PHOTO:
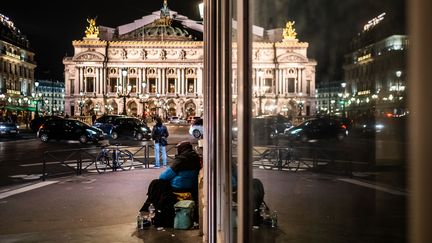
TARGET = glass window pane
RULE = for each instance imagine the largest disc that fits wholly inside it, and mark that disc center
(329, 105)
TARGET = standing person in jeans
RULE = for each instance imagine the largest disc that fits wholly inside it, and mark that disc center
(159, 136)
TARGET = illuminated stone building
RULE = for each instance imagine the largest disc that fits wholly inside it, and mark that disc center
(375, 70)
(154, 66)
(16, 70)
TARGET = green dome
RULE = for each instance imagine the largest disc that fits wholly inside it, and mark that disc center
(158, 32)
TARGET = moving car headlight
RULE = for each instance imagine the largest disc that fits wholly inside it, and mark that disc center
(17, 127)
(379, 126)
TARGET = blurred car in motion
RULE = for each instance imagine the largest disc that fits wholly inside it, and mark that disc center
(266, 129)
(9, 128)
(69, 129)
(36, 123)
(196, 129)
(316, 129)
(130, 127)
(105, 123)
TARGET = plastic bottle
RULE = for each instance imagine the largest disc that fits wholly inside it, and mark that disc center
(151, 210)
(262, 210)
(274, 219)
(140, 221)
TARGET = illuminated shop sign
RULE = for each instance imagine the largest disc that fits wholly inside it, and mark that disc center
(364, 92)
(363, 58)
(9, 91)
(371, 23)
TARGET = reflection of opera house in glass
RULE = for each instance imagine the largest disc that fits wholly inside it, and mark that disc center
(155, 64)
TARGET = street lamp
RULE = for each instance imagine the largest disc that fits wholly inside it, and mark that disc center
(143, 99)
(37, 97)
(301, 104)
(81, 102)
(123, 92)
(259, 91)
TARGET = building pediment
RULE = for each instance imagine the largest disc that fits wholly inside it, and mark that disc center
(89, 56)
(292, 57)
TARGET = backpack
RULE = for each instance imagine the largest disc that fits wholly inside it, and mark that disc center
(160, 194)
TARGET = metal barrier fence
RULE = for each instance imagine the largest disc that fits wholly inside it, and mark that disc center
(77, 161)
(266, 157)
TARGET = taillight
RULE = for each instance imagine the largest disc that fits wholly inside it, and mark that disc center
(343, 126)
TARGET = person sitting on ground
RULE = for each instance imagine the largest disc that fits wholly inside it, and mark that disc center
(183, 172)
(180, 177)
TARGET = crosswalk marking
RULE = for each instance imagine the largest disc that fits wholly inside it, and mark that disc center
(26, 188)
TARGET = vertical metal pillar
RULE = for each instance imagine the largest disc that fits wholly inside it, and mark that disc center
(420, 130)
(244, 65)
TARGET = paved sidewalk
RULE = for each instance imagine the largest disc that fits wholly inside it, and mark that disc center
(89, 208)
(103, 208)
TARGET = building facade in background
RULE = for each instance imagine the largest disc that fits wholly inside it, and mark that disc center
(375, 71)
(16, 71)
(51, 95)
(154, 67)
(331, 98)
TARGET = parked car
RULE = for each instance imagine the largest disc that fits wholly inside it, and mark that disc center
(36, 123)
(196, 129)
(191, 119)
(317, 128)
(105, 123)
(130, 127)
(9, 128)
(69, 129)
(174, 120)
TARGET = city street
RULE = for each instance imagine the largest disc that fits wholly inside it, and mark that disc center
(21, 157)
(313, 206)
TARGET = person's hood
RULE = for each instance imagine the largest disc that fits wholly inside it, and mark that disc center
(187, 160)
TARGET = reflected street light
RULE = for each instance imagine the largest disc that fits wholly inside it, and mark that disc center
(343, 85)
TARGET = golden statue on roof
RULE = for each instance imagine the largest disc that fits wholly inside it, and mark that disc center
(92, 31)
(289, 32)
(165, 18)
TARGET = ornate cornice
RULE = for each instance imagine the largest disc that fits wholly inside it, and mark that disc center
(292, 44)
(174, 44)
(88, 42)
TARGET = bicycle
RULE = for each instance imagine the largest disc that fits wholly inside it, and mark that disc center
(113, 159)
(281, 158)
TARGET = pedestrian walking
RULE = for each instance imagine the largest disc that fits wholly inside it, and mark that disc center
(159, 136)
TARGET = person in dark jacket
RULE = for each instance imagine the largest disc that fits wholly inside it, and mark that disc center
(180, 176)
(159, 136)
(183, 173)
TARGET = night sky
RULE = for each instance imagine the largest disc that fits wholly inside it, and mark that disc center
(326, 24)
